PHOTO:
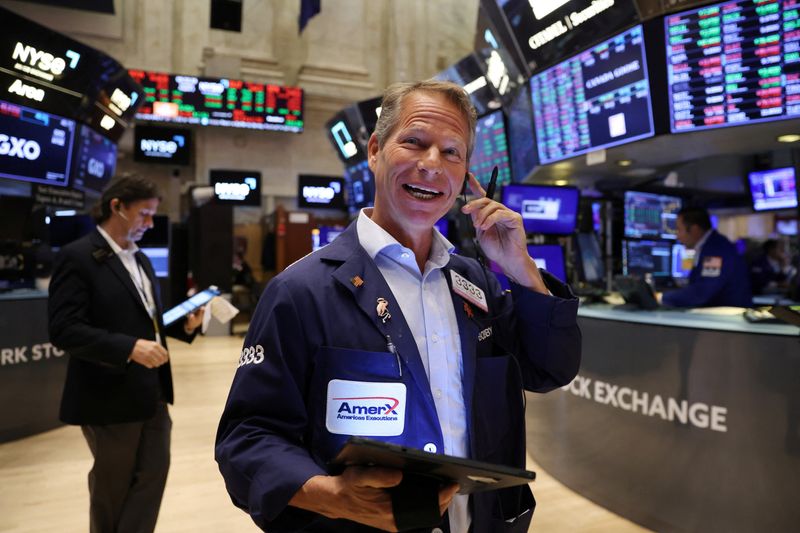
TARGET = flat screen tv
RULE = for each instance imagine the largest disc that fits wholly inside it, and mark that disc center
(35, 146)
(320, 192)
(597, 99)
(773, 189)
(95, 160)
(153, 144)
(159, 258)
(184, 99)
(491, 149)
(521, 136)
(733, 63)
(236, 187)
(590, 264)
(546, 31)
(550, 257)
(545, 209)
(651, 216)
(647, 257)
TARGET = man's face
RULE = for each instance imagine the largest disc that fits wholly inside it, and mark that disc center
(420, 169)
(138, 217)
(686, 234)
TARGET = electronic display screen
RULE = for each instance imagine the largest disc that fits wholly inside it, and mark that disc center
(369, 110)
(468, 73)
(239, 187)
(773, 189)
(360, 185)
(159, 258)
(544, 209)
(34, 145)
(521, 137)
(320, 192)
(65, 229)
(442, 225)
(786, 226)
(597, 99)
(733, 63)
(186, 99)
(647, 257)
(162, 145)
(682, 261)
(343, 132)
(549, 257)
(651, 215)
(95, 160)
(158, 235)
(546, 31)
(491, 149)
(591, 258)
(324, 235)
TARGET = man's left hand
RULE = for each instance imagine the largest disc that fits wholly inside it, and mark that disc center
(502, 237)
(194, 320)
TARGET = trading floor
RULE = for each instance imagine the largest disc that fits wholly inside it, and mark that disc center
(43, 478)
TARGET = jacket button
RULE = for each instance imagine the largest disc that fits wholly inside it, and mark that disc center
(430, 447)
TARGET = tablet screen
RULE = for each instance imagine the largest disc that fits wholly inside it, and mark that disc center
(186, 307)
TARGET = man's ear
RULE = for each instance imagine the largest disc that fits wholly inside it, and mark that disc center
(372, 152)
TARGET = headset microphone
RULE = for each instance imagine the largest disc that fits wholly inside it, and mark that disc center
(120, 213)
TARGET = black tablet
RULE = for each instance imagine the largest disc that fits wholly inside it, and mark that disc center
(472, 476)
(186, 307)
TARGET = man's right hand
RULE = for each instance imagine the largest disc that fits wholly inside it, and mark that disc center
(149, 354)
(358, 494)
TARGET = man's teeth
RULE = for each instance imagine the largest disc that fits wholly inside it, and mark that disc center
(422, 194)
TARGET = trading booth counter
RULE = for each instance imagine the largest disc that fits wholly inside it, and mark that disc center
(32, 370)
(678, 420)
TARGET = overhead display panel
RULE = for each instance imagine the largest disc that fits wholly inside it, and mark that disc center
(733, 63)
(34, 146)
(46, 70)
(547, 31)
(219, 102)
(468, 72)
(95, 160)
(597, 99)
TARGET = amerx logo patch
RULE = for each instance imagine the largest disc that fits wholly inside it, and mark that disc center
(365, 408)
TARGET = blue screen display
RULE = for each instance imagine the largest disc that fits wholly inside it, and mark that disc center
(324, 235)
(647, 257)
(521, 137)
(550, 257)
(544, 209)
(597, 99)
(95, 160)
(773, 189)
(360, 185)
(442, 225)
(651, 215)
(681, 261)
(159, 257)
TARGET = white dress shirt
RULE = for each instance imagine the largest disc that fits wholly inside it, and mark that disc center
(139, 278)
(425, 301)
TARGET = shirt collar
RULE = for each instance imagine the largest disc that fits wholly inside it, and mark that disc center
(116, 248)
(702, 241)
(375, 240)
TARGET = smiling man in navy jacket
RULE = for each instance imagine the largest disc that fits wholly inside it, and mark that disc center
(387, 312)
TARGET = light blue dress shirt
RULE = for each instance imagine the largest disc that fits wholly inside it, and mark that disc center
(425, 302)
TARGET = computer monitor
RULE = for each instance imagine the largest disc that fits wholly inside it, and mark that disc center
(442, 225)
(682, 261)
(159, 257)
(773, 189)
(651, 216)
(550, 257)
(647, 257)
(545, 209)
(324, 235)
(590, 264)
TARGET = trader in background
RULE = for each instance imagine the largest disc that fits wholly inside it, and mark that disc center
(772, 271)
(386, 310)
(719, 276)
(105, 312)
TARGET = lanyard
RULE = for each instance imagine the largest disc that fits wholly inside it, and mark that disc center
(143, 294)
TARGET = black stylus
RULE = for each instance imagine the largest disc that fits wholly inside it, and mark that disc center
(492, 184)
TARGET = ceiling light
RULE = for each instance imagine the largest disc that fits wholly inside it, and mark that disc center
(789, 138)
(625, 162)
(560, 183)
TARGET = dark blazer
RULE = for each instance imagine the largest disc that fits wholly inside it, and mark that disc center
(96, 315)
(315, 324)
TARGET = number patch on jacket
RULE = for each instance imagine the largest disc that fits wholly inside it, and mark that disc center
(251, 355)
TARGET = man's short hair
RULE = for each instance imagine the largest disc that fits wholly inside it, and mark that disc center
(695, 216)
(127, 189)
(392, 103)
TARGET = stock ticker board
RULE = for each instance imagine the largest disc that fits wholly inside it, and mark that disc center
(734, 63)
(219, 102)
